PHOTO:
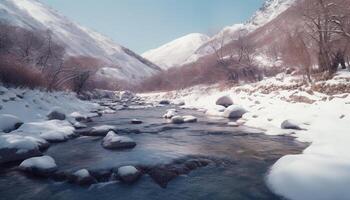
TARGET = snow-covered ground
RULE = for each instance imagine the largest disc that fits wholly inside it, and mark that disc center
(323, 170)
(27, 110)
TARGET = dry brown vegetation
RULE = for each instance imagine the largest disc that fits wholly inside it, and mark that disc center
(311, 39)
(33, 59)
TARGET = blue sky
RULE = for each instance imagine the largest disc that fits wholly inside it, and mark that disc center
(145, 24)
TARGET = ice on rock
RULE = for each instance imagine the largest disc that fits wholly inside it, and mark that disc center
(9, 123)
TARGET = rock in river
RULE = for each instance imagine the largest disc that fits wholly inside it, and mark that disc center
(136, 121)
(15, 147)
(128, 174)
(83, 177)
(114, 141)
(177, 120)
(41, 166)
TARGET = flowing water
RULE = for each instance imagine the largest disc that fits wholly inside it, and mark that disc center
(242, 159)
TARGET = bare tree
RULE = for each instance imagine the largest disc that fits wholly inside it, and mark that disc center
(324, 24)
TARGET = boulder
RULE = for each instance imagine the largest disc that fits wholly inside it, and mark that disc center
(290, 124)
(225, 101)
(190, 119)
(56, 113)
(234, 112)
(9, 123)
(164, 102)
(83, 177)
(128, 174)
(177, 120)
(15, 147)
(41, 166)
(114, 141)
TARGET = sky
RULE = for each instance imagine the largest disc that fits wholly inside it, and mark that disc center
(142, 25)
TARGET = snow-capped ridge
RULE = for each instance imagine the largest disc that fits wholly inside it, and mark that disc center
(177, 51)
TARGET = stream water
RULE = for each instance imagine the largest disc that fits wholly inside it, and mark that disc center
(242, 159)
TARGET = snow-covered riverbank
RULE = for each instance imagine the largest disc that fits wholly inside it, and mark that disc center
(323, 170)
(28, 110)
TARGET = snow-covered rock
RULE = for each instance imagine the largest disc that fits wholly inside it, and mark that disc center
(170, 113)
(128, 174)
(79, 125)
(56, 113)
(15, 147)
(114, 141)
(189, 119)
(291, 124)
(234, 112)
(53, 130)
(177, 120)
(83, 177)
(176, 53)
(225, 101)
(9, 123)
(43, 166)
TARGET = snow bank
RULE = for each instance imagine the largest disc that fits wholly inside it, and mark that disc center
(323, 170)
(9, 123)
(34, 105)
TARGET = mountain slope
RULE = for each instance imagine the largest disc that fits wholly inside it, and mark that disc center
(270, 10)
(78, 40)
(176, 52)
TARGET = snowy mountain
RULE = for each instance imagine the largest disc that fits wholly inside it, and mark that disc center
(176, 52)
(268, 12)
(78, 40)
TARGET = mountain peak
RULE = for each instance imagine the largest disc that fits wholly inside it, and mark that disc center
(177, 51)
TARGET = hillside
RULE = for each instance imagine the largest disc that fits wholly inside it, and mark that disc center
(78, 40)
